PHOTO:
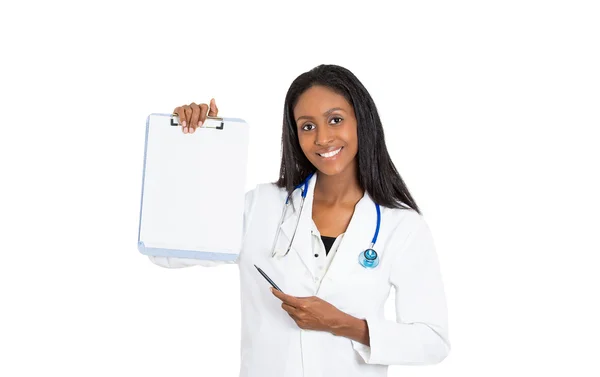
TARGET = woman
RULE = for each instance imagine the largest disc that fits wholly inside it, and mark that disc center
(330, 320)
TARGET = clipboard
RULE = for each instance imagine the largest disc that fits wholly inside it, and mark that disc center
(193, 189)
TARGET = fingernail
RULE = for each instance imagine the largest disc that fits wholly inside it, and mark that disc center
(200, 124)
(183, 124)
(192, 130)
(185, 130)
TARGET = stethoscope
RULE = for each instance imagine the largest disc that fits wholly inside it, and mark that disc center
(367, 258)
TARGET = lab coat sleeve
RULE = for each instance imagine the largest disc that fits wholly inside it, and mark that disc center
(172, 262)
(420, 333)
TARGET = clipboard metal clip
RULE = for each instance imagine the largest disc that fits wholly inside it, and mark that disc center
(210, 122)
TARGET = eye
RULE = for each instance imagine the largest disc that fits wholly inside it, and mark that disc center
(307, 124)
(339, 120)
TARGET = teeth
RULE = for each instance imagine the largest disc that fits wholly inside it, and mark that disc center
(330, 154)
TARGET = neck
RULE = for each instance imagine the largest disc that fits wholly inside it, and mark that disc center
(338, 189)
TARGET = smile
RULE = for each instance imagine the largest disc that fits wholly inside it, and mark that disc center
(330, 154)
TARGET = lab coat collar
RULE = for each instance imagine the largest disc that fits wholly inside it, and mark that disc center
(358, 235)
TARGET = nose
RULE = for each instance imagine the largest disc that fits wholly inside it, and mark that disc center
(324, 135)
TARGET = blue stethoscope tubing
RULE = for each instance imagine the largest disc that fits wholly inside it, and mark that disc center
(367, 258)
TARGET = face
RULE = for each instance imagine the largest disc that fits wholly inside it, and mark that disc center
(327, 130)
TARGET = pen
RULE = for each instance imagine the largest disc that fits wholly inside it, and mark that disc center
(268, 278)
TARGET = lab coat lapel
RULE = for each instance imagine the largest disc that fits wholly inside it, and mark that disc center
(302, 244)
(357, 238)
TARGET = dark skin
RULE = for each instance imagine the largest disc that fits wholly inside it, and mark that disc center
(326, 123)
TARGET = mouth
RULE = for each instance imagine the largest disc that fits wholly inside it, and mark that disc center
(330, 155)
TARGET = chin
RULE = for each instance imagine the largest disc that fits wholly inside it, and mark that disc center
(331, 169)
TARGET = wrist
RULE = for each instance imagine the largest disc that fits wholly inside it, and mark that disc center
(346, 325)
(340, 324)
(352, 328)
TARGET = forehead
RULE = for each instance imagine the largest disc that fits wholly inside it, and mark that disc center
(318, 99)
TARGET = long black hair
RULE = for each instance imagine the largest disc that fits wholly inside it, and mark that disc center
(376, 172)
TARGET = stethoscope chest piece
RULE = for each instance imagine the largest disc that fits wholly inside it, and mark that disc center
(368, 258)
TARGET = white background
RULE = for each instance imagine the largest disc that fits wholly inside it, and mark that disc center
(490, 110)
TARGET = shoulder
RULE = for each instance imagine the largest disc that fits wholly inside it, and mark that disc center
(265, 189)
(398, 215)
(403, 223)
(265, 193)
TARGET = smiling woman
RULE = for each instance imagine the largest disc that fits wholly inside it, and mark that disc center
(328, 108)
(327, 138)
(336, 231)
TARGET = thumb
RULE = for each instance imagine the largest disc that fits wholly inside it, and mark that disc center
(213, 110)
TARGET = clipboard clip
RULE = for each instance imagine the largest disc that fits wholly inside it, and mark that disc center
(210, 122)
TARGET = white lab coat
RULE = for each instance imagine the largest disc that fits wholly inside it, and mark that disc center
(272, 345)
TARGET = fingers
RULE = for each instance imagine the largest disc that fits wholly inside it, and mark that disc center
(296, 315)
(290, 300)
(185, 123)
(194, 115)
(280, 295)
(203, 110)
(288, 308)
(193, 124)
(213, 110)
(180, 114)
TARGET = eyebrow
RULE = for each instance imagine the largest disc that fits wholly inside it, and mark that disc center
(324, 114)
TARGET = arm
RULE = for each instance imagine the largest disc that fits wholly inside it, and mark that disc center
(420, 333)
(352, 328)
(171, 262)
